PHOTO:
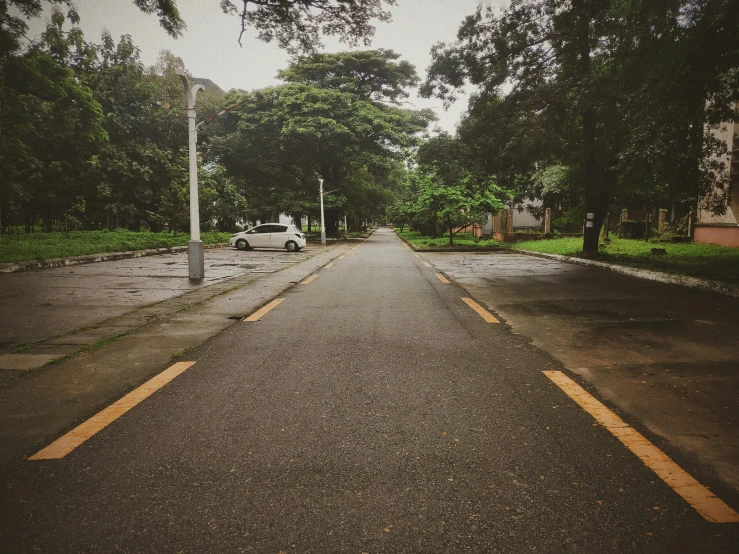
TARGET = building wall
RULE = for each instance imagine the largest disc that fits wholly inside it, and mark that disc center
(726, 133)
(723, 229)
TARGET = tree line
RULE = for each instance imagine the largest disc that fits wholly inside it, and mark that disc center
(594, 105)
(588, 105)
(92, 138)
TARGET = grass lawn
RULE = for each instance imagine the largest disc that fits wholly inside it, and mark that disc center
(421, 242)
(39, 246)
(697, 260)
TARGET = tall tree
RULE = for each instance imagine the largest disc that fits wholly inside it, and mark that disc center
(286, 137)
(618, 89)
(369, 74)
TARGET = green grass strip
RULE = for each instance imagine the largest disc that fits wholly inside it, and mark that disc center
(42, 246)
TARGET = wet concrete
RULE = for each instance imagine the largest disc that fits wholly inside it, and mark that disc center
(61, 310)
(38, 406)
(666, 355)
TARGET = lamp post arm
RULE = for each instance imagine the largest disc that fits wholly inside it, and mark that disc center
(191, 92)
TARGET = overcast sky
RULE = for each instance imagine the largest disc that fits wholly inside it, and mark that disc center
(210, 49)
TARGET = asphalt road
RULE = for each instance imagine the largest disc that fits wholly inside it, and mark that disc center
(371, 411)
(665, 354)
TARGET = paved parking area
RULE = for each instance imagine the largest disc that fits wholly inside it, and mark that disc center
(48, 303)
(666, 354)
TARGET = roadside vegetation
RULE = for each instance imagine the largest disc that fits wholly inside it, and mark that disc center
(696, 260)
(464, 240)
(39, 246)
(584, 110)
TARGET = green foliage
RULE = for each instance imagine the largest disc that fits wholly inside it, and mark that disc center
(297, 24)
(368, 74)
(466, 240)
(442, 193)
(285, 138)
(40, 246)
(622, 94)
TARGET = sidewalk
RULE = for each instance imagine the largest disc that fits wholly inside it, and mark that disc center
(102, 361)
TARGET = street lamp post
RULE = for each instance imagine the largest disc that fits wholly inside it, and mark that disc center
(195, 254)
(323, 225)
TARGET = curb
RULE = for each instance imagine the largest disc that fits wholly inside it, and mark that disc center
(94, 258)
(669, 278)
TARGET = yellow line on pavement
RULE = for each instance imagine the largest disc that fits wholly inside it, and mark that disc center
(699, 497)
(442, 278)
(65, 444)
(341, 257)
(309, 279)
(261, 312)
(427, 264)
(483, 313)
(329, 265)
(416, 255)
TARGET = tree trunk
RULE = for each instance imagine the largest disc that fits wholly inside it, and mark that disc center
(332, 221)
(298, 221)
(451, 234)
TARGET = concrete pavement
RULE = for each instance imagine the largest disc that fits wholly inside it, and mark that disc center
(57, 312)
(43, 403)
(371, 411)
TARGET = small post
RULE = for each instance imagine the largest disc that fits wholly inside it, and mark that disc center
(647, 225)
(547, 221)
(323, 224)
(346, 229)
(624, 217)
(662, 220)
(606, 224)
(690, 224)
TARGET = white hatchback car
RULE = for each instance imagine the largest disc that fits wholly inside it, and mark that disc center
(269, 235)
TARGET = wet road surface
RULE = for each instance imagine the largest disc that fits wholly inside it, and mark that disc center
(39, 305)
(667, 355)
(371, 411)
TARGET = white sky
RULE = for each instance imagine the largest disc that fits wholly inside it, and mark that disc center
(210, 49)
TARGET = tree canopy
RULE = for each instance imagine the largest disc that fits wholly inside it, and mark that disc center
(287, 137)
(614, 91)
(368, 74)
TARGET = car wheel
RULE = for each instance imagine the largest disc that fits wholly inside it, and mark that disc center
(292, 246)
(241, 244)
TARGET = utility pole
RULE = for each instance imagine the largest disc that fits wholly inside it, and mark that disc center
(195, 254)
(323, 223)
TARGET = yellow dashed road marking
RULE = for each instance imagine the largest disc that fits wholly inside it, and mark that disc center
(264, 309)
(65, 444)
(309, 279)
(699, 497)
(427, 264)
(416, 255)
(486, 315)
(329, 265)
(341, 257)
(442, 278)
